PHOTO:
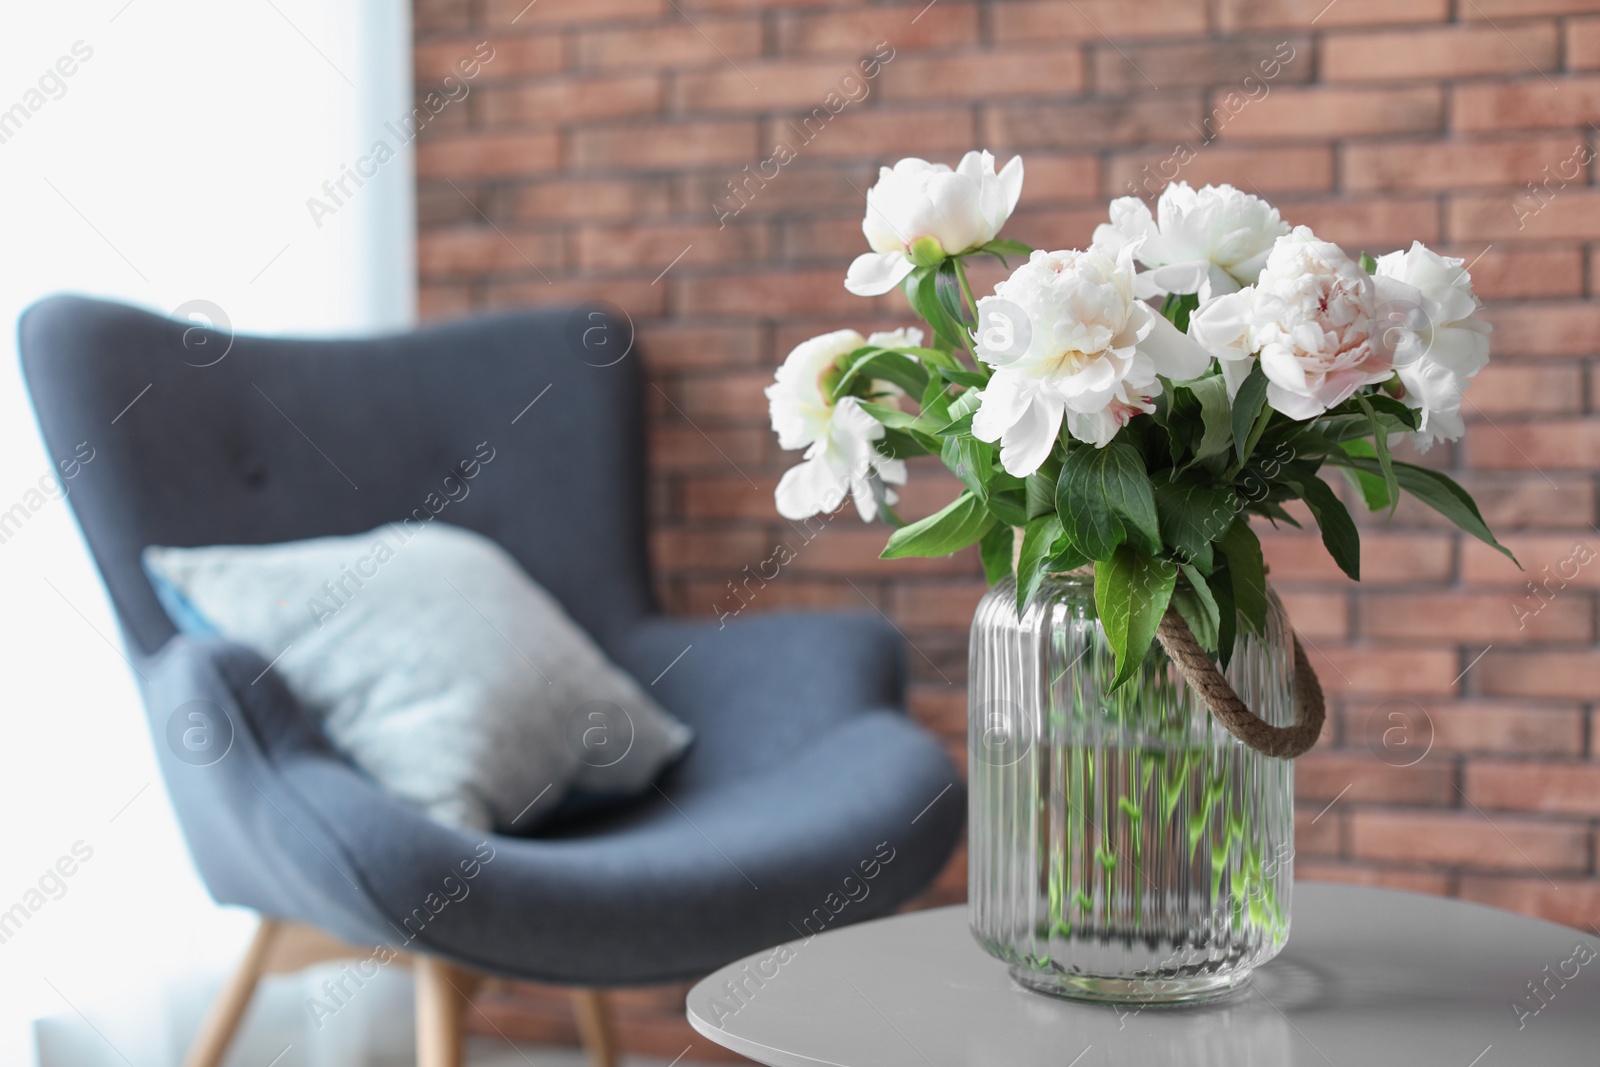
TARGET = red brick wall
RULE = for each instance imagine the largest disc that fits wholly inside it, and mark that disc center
(595, 149)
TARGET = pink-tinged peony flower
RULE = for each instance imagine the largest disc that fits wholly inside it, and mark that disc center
(1068, 338)
(1310, 319)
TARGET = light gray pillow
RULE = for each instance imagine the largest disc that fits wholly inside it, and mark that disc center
(434, 663)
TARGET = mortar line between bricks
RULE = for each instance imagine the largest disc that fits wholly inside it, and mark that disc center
(702, 433)
(1513, 44)
(1331, 803)
(1473, 664)
(713, 44)
(1508, 840)
(502, 233)
(1113, 44)
(1494, 426)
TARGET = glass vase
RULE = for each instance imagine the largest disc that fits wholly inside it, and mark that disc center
(1123, 845)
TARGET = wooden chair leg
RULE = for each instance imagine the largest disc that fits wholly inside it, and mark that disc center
(217, 1031)
(443, 991)
(594, 1026)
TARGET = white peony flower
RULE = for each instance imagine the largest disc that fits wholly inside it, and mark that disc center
(905, 337)
(840, 439)
(928, 210)
(1311, 319)
(1068, 337)
(1429, 317)
(1209, 241)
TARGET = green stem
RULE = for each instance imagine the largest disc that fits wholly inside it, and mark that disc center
(966, 290)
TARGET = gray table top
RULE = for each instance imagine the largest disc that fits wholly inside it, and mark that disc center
(1370, 977)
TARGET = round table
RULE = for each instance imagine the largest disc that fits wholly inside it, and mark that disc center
(1370, 977)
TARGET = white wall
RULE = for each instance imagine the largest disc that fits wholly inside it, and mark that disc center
(173, 165)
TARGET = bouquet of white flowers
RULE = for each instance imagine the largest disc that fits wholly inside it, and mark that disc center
(1102, 431)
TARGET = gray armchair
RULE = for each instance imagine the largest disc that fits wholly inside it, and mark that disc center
(805, 771)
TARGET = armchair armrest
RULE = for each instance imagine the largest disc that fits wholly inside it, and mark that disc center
(237, 752)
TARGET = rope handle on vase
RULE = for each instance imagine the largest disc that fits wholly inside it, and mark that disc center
(1197, 668)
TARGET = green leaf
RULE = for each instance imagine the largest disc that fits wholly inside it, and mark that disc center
(1350, 420)
(1439, 493)
(968, 379)
(1178, 412)
(995, 550)
(970, 460)
(1178, 307)
(1341, 428)
(1272, 510)
(1247, 573)
(922, 292)
(1309, 443)
(1338, 529)
(1005, 500)
(1215, 414)
(958, 414)
(953, 527)
(1192, 515)
(1407, 415)
(1001, 249)
(936, 398)
(893, 418)
(1247, 405)
(1104, 499)
(1131, 593)
(1369, 264)
(1374, 489)
(1038, 541)
(1221, 584)
(1066, 559)
(933, 357)
(874, 363)
(880, 493)
(949, 291)
(898, 444)
(1380, 445)
(1193, 600)
(1039, 488)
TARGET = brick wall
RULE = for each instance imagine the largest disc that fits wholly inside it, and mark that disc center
(593, 156)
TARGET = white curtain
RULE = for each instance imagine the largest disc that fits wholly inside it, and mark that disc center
(160, 152)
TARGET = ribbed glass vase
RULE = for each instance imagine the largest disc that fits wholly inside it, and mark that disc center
(1123, 845)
